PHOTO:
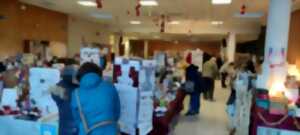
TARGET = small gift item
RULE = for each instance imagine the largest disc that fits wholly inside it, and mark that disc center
(292, 92)
(278, 105)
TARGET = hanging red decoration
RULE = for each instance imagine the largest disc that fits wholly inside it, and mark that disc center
(162, 25)
(138, 8)
(243, 9)
(99, 4)
(128, 12)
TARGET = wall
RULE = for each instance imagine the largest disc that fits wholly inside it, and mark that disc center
(137, 47)
(90, 31)
(212, 48)
(294, 39)
(33, 23)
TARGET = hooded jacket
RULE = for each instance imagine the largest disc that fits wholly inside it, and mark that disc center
(100, 102)
(192, 74)
(61, 94)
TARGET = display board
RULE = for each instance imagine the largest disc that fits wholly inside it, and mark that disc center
(41, 79)
(135, 84)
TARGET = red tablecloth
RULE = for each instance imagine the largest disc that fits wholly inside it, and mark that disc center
(161, 125)
(286, 124)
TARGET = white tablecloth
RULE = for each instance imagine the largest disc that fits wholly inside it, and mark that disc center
(11, 126)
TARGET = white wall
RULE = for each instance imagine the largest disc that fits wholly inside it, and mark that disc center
(79, 28)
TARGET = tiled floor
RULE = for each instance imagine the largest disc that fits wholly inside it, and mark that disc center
(212, 119)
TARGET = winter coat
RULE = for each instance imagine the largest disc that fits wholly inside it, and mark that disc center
(100, 102)
(192, 74)
(61, 94)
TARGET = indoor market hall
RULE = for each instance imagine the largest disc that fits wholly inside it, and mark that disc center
(149, 67)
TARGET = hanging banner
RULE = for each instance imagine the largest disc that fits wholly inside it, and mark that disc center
(90, 55)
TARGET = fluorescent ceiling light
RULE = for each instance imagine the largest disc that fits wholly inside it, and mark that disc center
(135, 22)
(149, 3)
(221, 2)
(217, 22)
(87, 3)
(249, 15)
(174, 22)
(102, 15)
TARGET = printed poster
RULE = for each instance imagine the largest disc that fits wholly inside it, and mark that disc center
(128, 98)
(90, 55)
(145, 112)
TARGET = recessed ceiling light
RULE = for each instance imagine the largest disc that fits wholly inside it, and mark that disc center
(217, 22)
(135, 22)
(221, 2)
(87, 3)
(106, 16)
(174, 22)
(149, 3)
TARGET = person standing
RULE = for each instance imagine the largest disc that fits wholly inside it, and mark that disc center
(223, 72)
(61, 94)
(194, 76)
(95, 104)
(210, 72)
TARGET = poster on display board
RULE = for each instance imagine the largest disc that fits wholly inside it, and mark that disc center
(90, 55)
(197, 58)
(41, 79)
(147, 75)
(128, 99)
(145, 112)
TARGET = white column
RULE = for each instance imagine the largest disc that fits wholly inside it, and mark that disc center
(231, 47)
(146, 49)
(274, 72)
(127, 46)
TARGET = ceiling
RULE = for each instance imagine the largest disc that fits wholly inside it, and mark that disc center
(195, 17)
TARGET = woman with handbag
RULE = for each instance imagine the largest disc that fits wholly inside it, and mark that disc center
(95, 104)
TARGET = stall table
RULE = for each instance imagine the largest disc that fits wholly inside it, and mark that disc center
(263, 119)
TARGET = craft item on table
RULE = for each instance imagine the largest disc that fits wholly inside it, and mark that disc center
(265, 104)
(278, 105)
(41, 79)
(90, 55)
(128, 99)
(160, 111)
(145, 114)
(292, 91)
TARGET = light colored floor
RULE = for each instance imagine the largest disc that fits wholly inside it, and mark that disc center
(212, 119)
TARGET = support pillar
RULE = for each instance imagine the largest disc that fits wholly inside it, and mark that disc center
(275, 67)
(231, 47)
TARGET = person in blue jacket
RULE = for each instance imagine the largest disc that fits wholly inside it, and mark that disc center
(61, 94)
(95, 104)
